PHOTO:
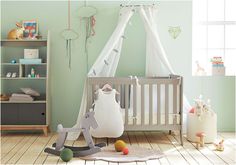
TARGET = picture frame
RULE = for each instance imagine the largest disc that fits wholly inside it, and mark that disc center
(31, 29)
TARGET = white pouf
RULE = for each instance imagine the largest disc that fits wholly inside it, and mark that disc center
(207, 123)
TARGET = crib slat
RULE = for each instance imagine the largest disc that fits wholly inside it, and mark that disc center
(158, 104)
(150, 104)
(142, 105)
(126, 103)
(175, 103)
(93, 90)
(135, 104)
(89, 97)
(117, 87)
(167, 104)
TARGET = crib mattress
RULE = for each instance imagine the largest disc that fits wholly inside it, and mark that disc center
(146, 117)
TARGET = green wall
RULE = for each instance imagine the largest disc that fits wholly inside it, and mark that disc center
(67, 85)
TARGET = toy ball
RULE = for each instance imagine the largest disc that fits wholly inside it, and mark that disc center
(125, 151)
(66, 155)
(119, 145)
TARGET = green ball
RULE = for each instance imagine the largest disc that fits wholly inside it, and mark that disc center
(66, 155)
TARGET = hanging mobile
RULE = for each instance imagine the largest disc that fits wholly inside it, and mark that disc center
(69, 35)
(87, 13)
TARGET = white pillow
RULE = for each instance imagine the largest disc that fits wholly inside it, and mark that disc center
(30, 91)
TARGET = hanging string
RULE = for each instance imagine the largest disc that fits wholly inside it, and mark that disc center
(69, 14)
(69, 40)
(69, 34)
(86, 41)
(90, 31)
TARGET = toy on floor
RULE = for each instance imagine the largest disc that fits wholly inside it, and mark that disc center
(201, 136)
(119, 145)
(66, 154)
(87, 121)
(125, 151)
(220, 146)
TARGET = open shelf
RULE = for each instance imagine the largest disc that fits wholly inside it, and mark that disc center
(23, 78)
(25, 115)
(31, 102)
(25, 42)
(10, 64)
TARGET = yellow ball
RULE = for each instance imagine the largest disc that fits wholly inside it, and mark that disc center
(119, 145)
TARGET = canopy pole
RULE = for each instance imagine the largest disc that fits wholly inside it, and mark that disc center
(137, 5)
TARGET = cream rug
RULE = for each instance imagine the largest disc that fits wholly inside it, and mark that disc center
(136, 153)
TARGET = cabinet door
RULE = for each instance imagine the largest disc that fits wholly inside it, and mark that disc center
(32, 114)
(9, 114)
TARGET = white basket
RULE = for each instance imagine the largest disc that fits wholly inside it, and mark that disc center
(207, 123)
(31, 53)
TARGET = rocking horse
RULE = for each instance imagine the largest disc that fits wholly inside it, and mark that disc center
(87, 122)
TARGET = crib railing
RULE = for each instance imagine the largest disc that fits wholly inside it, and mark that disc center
(149, 103)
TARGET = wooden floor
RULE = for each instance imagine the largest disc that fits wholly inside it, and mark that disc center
(28, 149)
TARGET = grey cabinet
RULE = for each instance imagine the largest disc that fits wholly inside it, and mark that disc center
(9, 114)
(23, 114)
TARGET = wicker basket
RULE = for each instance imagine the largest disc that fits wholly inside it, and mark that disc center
(4, 97)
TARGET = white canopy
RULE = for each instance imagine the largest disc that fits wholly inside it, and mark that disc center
(106, 64)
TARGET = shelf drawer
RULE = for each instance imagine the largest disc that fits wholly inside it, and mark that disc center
(9, 114)
(32, 114)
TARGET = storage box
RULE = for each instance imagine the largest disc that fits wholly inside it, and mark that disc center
(207, 123)
(218, 71)
(30, 61)
(31, 53)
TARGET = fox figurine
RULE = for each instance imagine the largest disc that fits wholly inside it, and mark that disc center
(16, 33)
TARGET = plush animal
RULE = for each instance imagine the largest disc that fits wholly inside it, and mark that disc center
(16, 33)
(198, 106)
(220, 146)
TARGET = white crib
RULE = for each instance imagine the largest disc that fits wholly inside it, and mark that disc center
(149, 103)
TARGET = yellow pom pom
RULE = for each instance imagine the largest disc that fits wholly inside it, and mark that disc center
(119, 145)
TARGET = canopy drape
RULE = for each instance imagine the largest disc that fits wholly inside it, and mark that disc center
(157, 63)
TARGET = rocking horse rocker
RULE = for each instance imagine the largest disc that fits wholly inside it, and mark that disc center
(87, 121)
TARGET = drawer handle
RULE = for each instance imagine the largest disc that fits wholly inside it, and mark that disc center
(42, 113)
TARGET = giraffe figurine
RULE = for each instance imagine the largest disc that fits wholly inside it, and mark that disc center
(200, 70)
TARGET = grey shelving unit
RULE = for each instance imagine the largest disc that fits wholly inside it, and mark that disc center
(34, 115)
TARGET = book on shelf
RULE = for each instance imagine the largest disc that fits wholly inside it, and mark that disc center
(30, 61)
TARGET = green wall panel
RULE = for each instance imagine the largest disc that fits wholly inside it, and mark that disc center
(67, 85)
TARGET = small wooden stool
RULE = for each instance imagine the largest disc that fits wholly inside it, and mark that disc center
(201, 142)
